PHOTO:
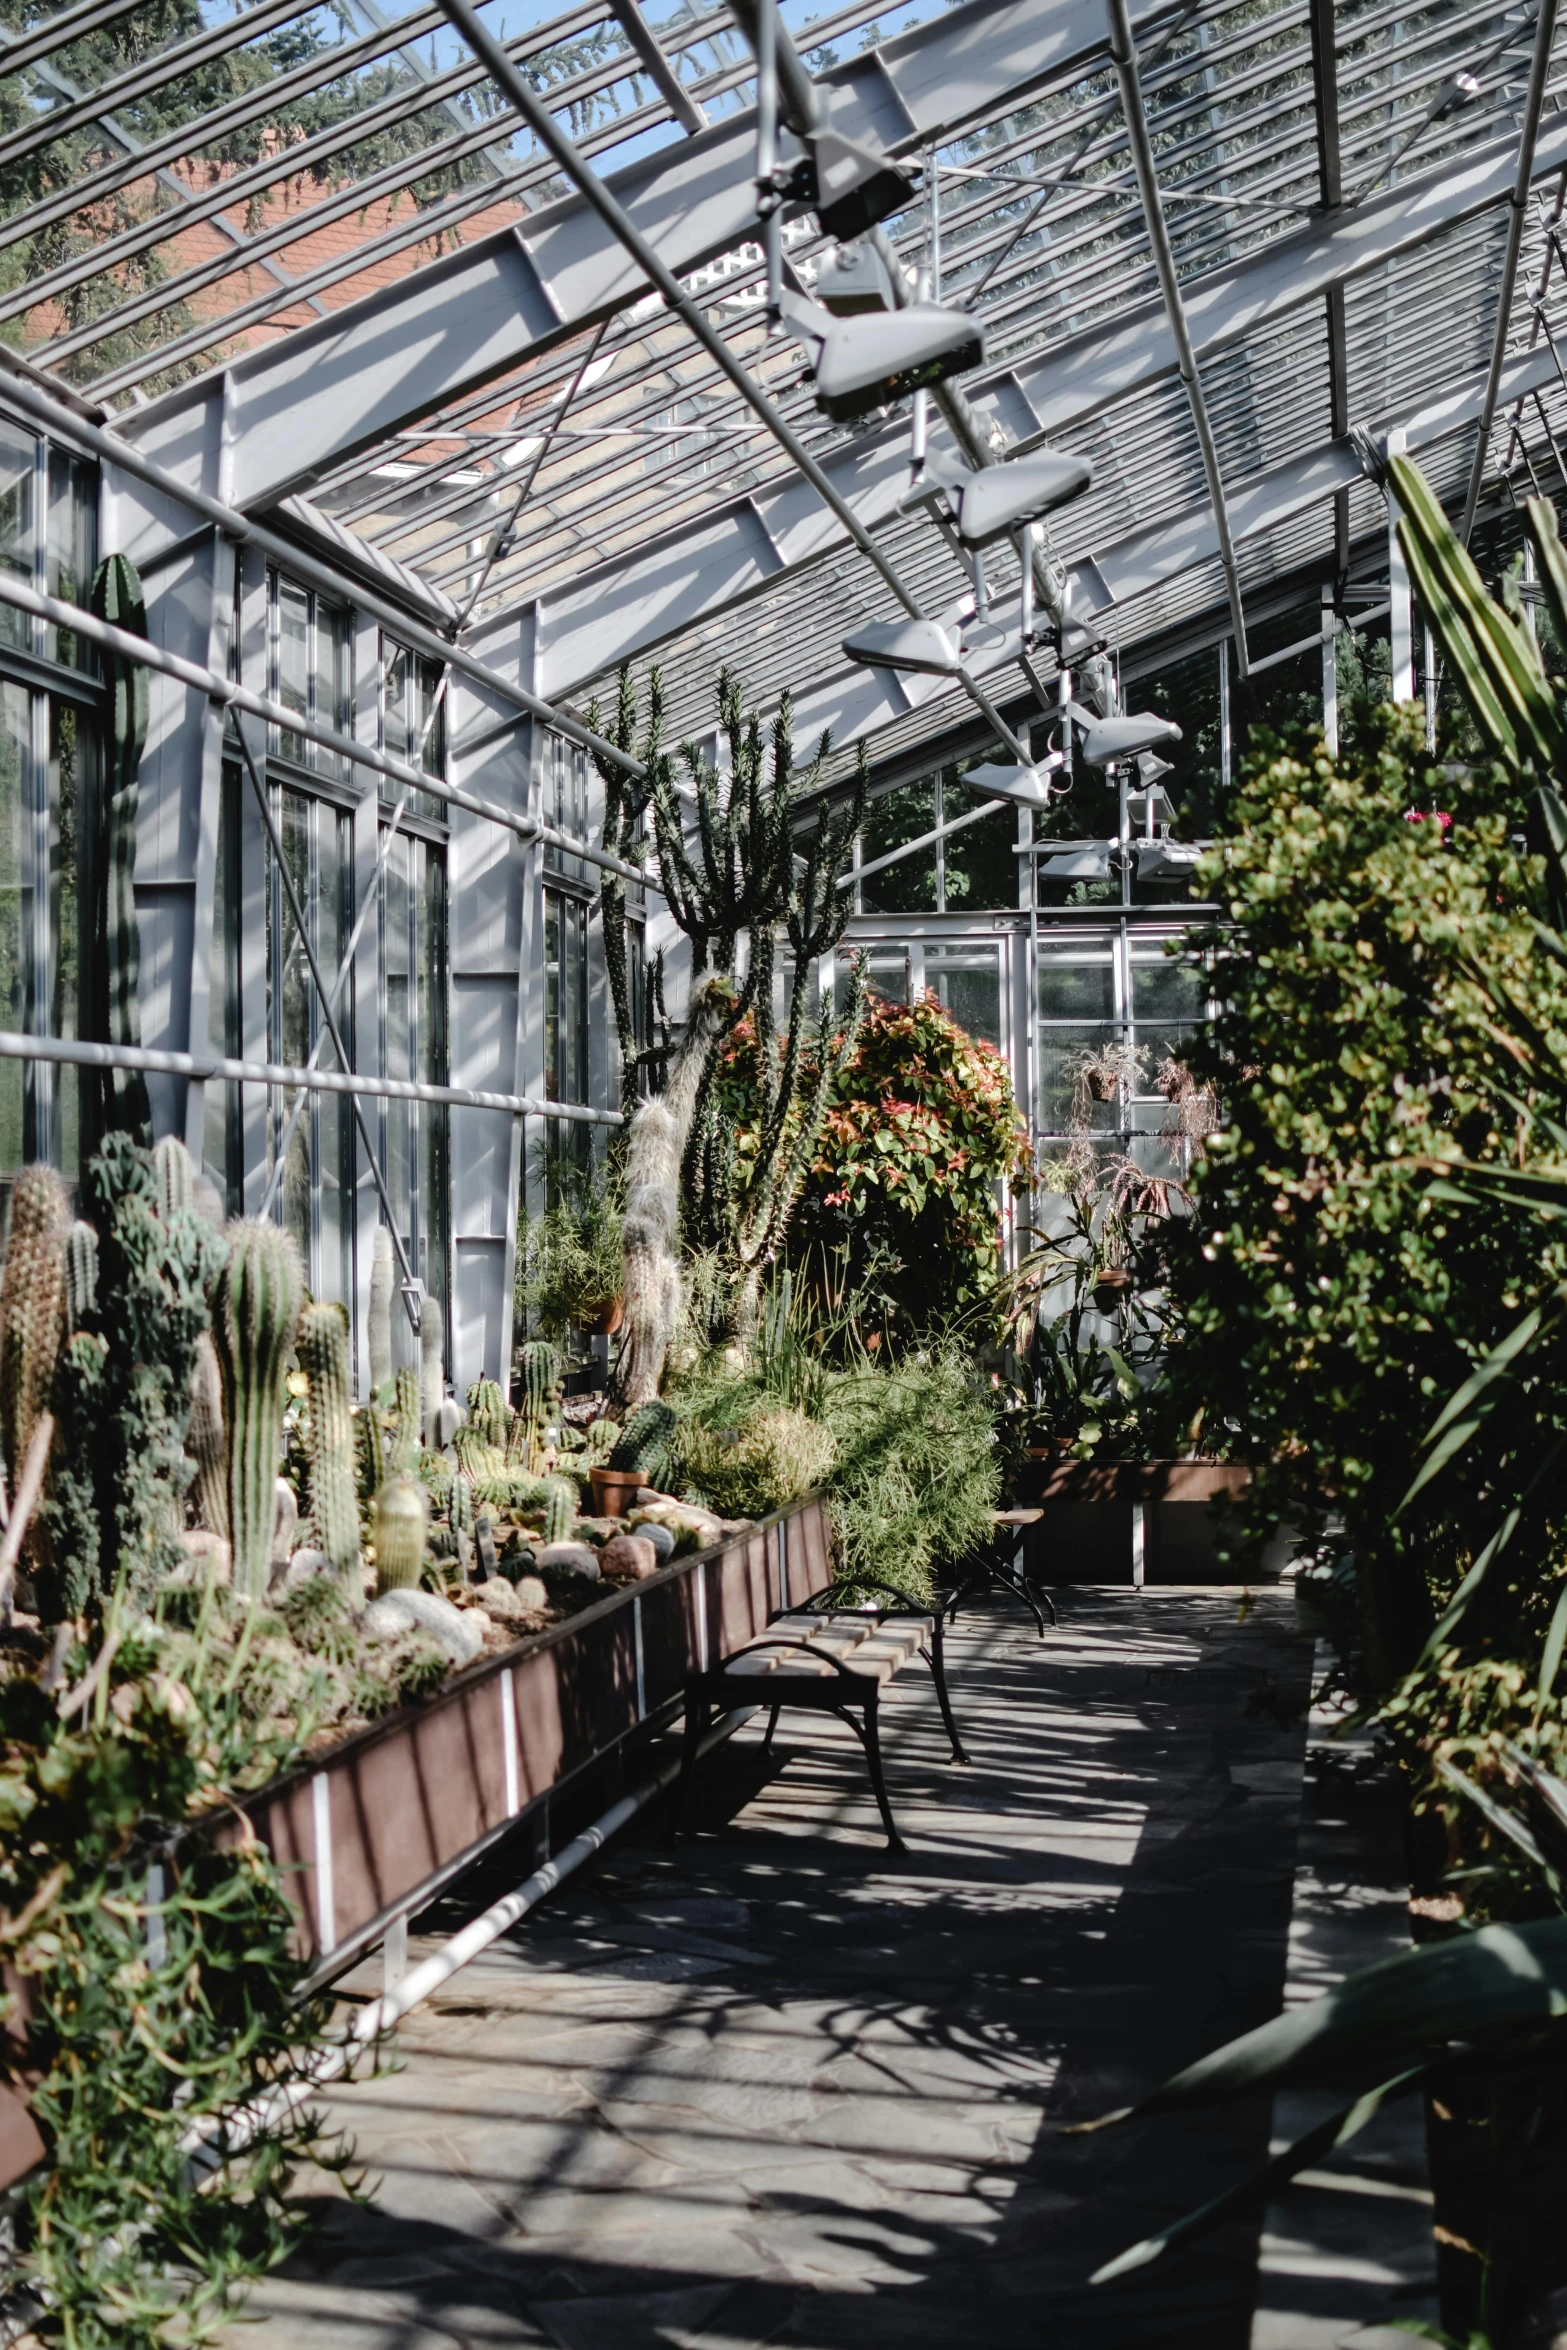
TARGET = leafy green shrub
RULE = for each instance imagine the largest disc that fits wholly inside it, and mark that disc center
(771, 1457)
(570, 1265)
(901, 1198)
(917, 1474)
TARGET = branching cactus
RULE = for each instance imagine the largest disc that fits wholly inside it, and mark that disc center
(487, 1413)
(539, 1364)
(383, 1289)
(32, 1307)
(334, 1504)
(398, 1530)
(559, 1497)
(258, 1311)
(205, 1440)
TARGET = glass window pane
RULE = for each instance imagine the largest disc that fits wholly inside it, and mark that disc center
(71, 552)
(410, 719)
(333, 1112)
(1061, 1051)
(15, 819)
(221, 1138)
(18, 451)
(981, 869)
(1077, 991)
(908, 887)
(967, 980)
(72, 797)
(291, 684)
(334, 683)
(1168, 990)
(431, 1261)
(293, 998)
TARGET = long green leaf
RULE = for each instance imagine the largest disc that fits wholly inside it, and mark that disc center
(1385, 2020)
(1551, 1791)
(1464, 1412)
(1555, 1641)
(1506, 1823)
(1463, 655)
(1540, 522)
(1336, 2131)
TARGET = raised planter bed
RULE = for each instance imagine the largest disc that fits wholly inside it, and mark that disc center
(1126, 1521)
(372, 1830)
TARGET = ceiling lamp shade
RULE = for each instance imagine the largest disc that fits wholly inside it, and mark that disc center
(917, 645)
(865, 362)
(850, 186)
(1109, 739)
(999, 498)
(1026, 785)
(1085, 864)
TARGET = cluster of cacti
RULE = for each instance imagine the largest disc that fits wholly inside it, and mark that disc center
(644, 1441)
(477, 1457)
(488, 1416)
(399, 1526)
(599, 1441)
(334, 1502)
(258, 1310)
(383, 1291)
(136, 1283)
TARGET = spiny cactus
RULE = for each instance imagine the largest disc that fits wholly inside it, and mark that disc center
(600, 1439)
(432, 1371)
(176, 1176)
(560, 1507)
(205, 1441)
(461, 1509)
(539, 1364)
(258, 1310)
(81, 1274)
(369, 1453)
(32, 1307)
(403, 1452)
(644, 1442)
(383, 1288)
(487, 1412)
(334, 1504)
(398, 1530)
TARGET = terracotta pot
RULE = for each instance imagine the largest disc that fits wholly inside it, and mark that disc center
(614, 1490)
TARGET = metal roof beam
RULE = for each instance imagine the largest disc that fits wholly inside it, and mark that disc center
(298, 408)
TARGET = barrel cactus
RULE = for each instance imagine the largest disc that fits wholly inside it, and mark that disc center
(398, 1528)
(462, 1504)
(600, 1440)
(644, 1441)
(334, 1502)
(257, 1313)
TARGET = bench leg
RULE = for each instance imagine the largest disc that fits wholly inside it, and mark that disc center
(871, 1736)
(696, 1726)
(772, 1724)
(938, 1668)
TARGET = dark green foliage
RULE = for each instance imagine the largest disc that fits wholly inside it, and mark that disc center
(123, 1389)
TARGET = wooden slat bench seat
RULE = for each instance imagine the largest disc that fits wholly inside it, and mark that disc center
(827, 1660)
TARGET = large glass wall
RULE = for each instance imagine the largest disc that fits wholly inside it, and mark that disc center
(49, 797)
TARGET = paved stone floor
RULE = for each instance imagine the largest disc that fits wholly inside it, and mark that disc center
(777, 2086)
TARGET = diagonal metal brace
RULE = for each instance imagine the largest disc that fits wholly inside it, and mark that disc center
(410, 1287)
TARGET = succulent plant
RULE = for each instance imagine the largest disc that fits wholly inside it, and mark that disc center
(205, 1441)
(258, 1310)
(461, 1505)
(644, 1441)
(539, 1364)
(488, 1415)
(383, 1288)
(176, 1173)
(334, 1502)
(559, 1498)
(81, 1274)
(600, 1439)
(399, 1524)
(403, 1455)
(32, 1307)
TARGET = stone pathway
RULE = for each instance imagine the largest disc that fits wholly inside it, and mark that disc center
(779, 2087)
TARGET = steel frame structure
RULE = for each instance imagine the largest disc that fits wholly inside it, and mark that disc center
(489, 368)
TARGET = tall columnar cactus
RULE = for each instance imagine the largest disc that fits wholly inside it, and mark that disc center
(559, 1497)
(205, 1440)
(539, 1364)
(403, 1452)
(334, 1503)
(462, 1503)
(487, 1413)
(398, 1528)
(370, 1452)
(432, 1370)
(176, 1173)
(32, 1307)
(81, 1274)
(258, 1311)
(383, 1289)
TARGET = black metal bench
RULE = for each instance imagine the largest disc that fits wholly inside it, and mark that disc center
(823, 1662)
(1000, 1567)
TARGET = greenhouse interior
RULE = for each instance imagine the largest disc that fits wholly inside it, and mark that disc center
(783, 1136)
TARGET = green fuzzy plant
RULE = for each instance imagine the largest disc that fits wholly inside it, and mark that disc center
(334, 1503)
(775, 1456)
(258, 1311)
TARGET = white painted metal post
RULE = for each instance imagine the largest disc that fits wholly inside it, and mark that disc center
(394, 1954)
(1329, 673)
(1225, 761)
(1401, 611)
(1139, 1546)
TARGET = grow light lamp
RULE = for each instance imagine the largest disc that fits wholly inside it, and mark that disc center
(854, 280)
(1165, 860)
(1025, 785)
(865, 362)
(1086, 864)
(1001, 498)
(1110, 739)
(850, 186)
(919, 646)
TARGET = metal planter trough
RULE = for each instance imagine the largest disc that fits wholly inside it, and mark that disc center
(1127, 1521)
(372, 1831)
